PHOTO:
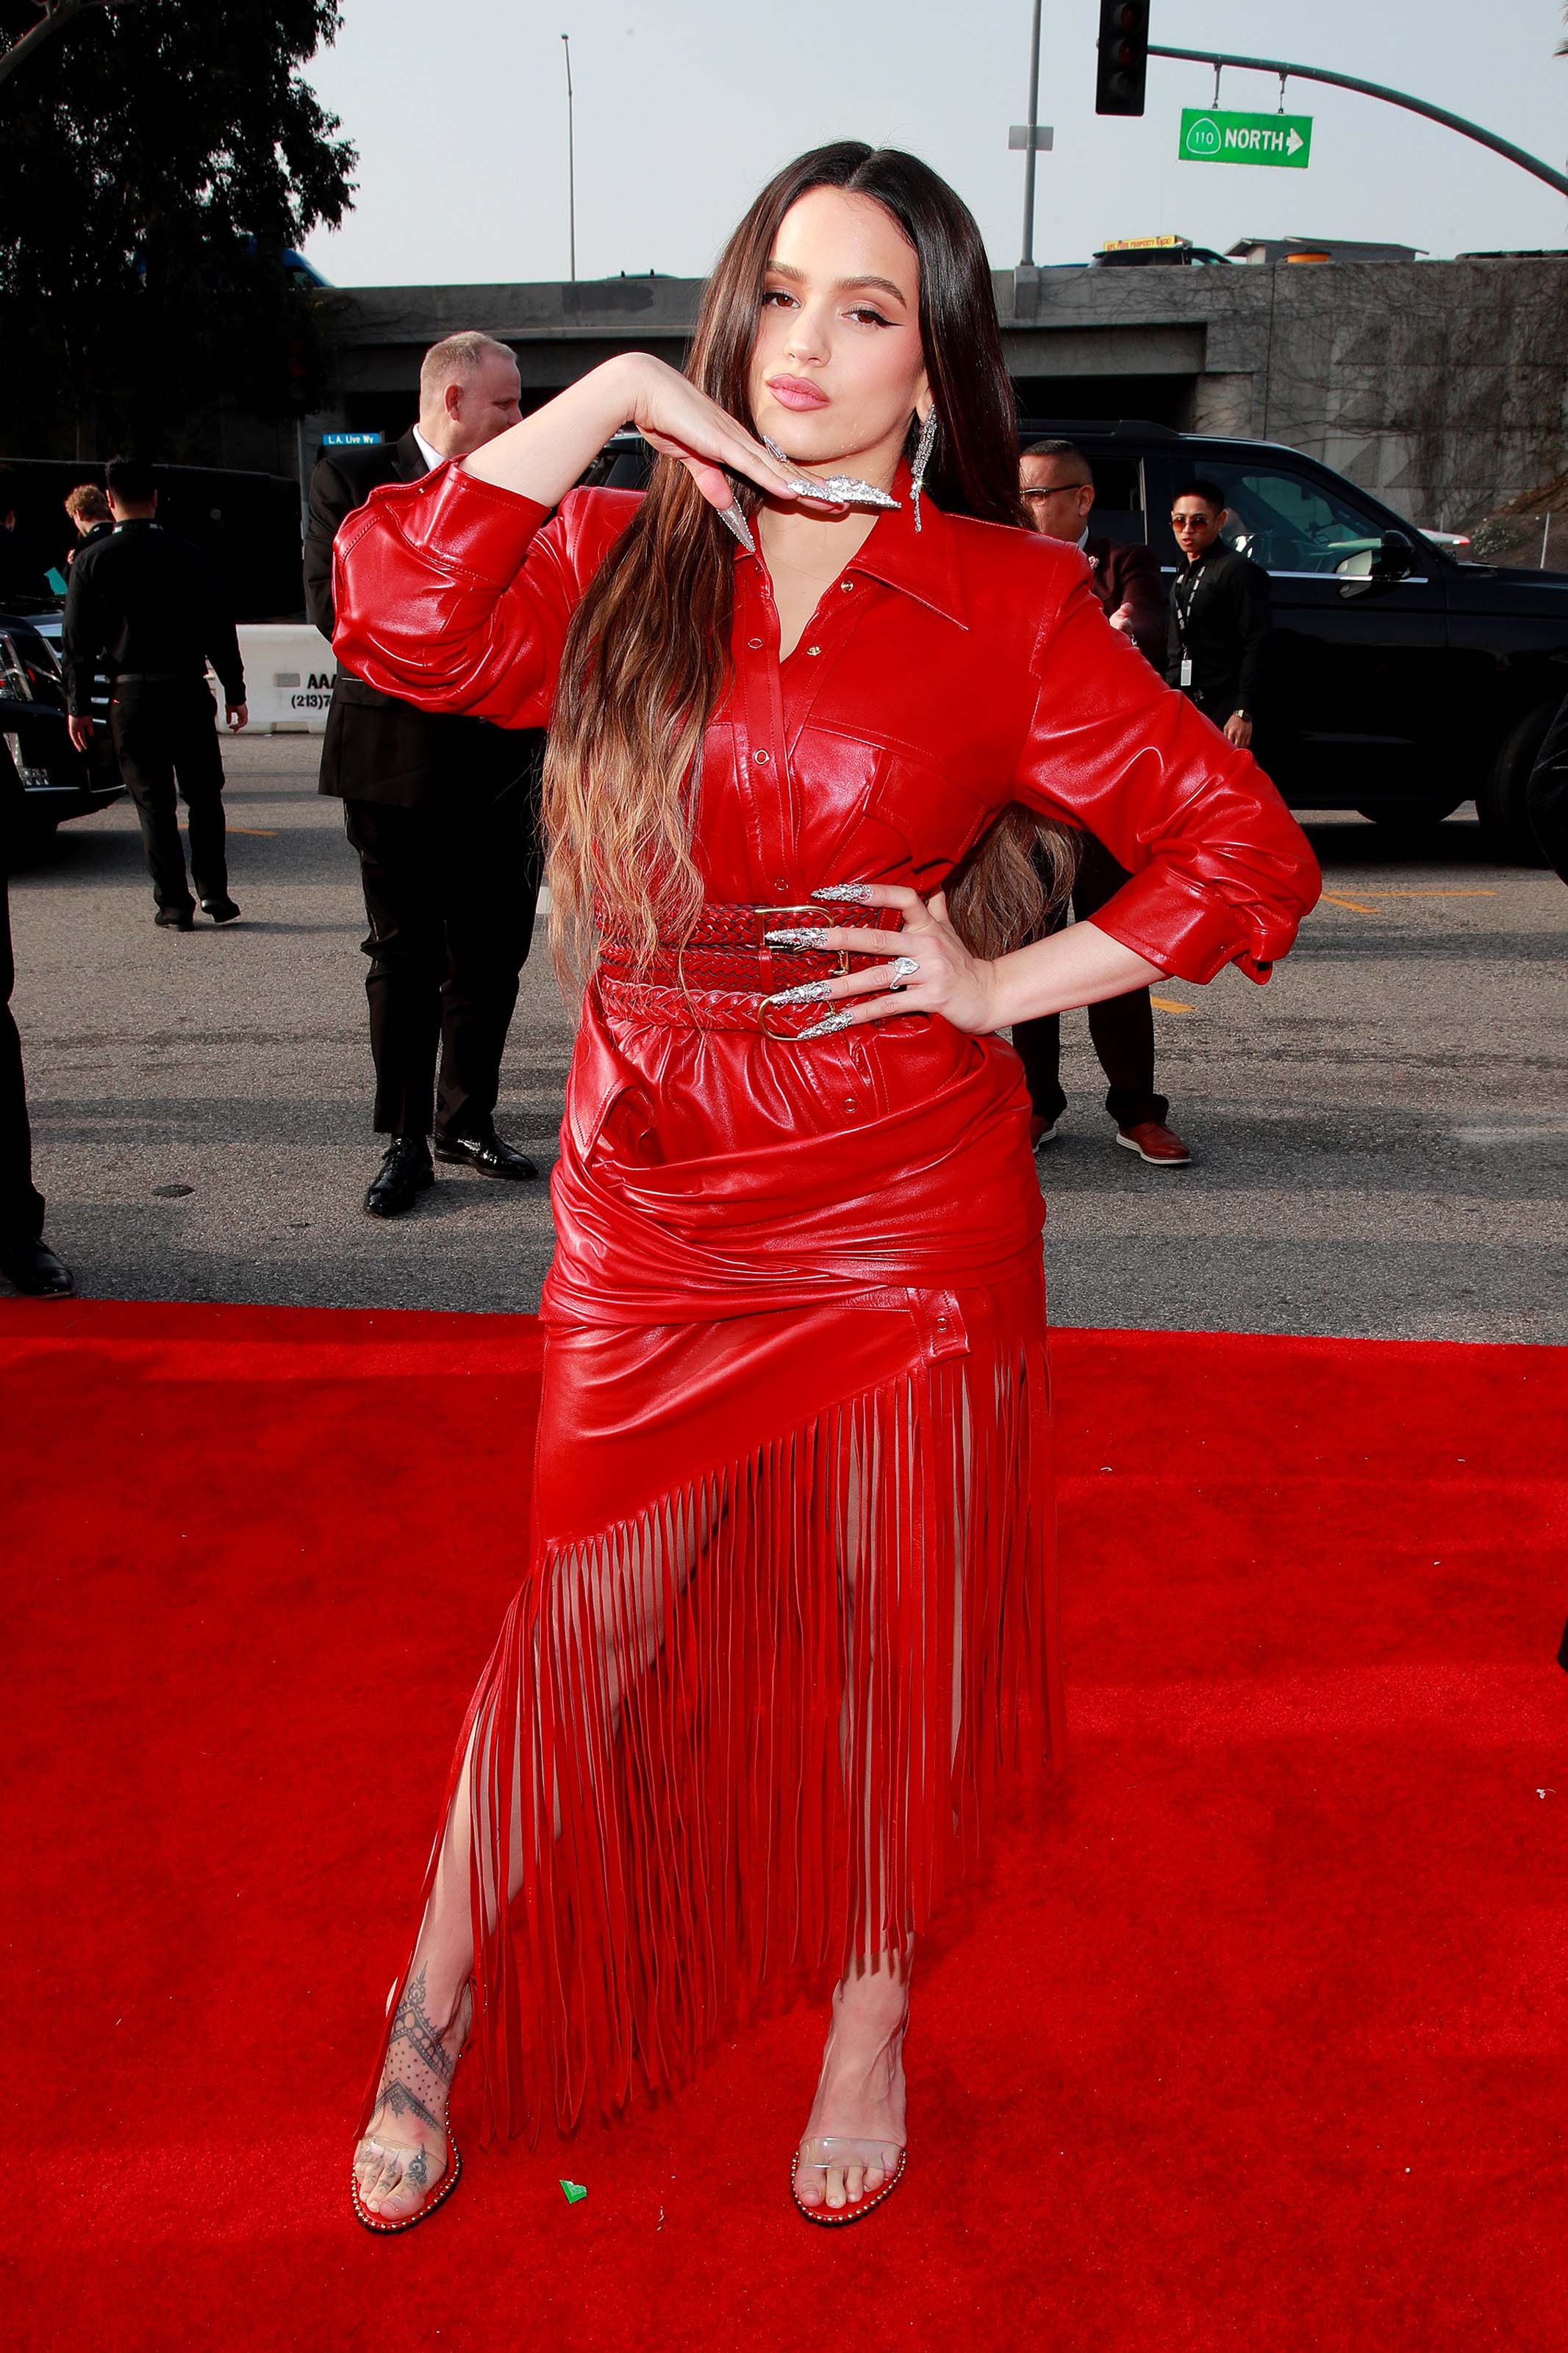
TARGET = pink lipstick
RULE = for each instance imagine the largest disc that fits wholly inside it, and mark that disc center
(794, 392)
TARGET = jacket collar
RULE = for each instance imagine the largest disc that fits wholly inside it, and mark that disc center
(408, 458)
(920, 563)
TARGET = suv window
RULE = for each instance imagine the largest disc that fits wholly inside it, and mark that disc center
(1290, 522)
(1117, 499)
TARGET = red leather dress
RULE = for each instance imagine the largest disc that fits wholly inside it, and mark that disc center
(789, 1601)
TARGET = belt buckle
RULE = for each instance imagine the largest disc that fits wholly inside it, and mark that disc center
(763, 919)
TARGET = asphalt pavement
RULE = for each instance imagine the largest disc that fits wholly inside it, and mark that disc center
(1380, 1134)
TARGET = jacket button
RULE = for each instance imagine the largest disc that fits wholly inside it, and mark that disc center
(762, 758)
(850, 1104)
(755, 644)
(781, 883)
(813, 649)
(847, 585)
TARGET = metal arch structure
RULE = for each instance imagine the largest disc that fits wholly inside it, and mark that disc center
(1503, 147)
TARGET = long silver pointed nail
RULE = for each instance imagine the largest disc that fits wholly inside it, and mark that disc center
(737, 522)
(857, 894)
(825, 1029)
(808, 935)
(839, 490)
(810, 992)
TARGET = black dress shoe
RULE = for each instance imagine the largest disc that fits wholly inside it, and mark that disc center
(222, 911)
(33, 1268)
(403, 1175)
(491, 1154)
(175, 919)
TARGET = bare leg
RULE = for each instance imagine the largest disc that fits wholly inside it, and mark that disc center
(622, 1611)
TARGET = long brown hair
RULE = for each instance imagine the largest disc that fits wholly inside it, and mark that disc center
(647, 659)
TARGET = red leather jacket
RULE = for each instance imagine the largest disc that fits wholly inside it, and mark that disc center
(944, 675)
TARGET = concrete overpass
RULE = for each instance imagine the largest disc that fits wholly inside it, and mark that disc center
(1443, 385)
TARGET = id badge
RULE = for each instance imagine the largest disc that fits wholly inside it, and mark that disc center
(1186, 677)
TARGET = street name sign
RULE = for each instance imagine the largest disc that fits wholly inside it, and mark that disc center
(351, 440)
(1209, 136)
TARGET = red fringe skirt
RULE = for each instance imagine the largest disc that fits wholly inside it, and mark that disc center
(748, 1721)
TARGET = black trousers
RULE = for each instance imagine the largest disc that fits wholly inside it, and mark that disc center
(1122, 1028)
(450, 888)
(21, 1203)
(166, 733)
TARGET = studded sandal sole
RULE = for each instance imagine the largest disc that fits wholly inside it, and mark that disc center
(856, 2210)
(437, 2197)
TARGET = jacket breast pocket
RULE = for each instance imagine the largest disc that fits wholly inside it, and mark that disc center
(924, 815)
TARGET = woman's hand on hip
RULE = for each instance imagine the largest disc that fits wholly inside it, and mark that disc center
(930, 969)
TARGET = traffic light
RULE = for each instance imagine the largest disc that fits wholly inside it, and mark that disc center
(1124, 64)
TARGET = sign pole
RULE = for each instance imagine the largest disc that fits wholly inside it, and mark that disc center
(1504, 147)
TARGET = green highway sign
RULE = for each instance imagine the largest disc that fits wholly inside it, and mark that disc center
(1209, 136)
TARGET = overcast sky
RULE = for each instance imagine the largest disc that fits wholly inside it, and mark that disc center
(683, 109)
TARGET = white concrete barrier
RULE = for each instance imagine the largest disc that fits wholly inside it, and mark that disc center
(288, 672)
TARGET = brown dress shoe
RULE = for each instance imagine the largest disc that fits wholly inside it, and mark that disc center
(1153, 1141)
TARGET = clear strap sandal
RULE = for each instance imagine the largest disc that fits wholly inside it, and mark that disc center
(836, 2155)
(419, 2082)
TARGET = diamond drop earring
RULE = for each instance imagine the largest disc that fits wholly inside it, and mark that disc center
(923, 448)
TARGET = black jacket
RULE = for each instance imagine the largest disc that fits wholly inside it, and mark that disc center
(1227, 628)
(376, 748)
(145, 603)
(1546, 799)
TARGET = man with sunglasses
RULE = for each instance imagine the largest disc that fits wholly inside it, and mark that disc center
(1219, 615)
(1056, 483)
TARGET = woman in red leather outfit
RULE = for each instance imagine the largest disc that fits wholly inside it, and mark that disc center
(789, 1605)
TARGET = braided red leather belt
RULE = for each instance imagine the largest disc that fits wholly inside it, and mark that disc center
(721, 976)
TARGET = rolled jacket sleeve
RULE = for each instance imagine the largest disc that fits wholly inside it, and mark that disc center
(1221, 872)
(456, 595)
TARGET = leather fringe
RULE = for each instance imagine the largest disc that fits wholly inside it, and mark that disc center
(755, 1730)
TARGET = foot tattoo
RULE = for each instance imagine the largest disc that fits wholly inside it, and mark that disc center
(395, 2168)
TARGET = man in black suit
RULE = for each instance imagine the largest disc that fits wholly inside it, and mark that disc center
(442, 811)
(147, 610)
(1057, 485)
(26, 1260)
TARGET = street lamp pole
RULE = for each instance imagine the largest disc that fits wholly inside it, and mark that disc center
(571, 164)
(1029, 260)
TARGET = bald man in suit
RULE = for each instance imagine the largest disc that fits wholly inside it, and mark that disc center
(1057, 483)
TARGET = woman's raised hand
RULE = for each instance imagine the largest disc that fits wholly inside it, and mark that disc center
(546, 452)
(931, 972)
(671, 413)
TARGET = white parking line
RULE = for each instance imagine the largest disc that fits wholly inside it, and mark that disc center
(1506, 1135)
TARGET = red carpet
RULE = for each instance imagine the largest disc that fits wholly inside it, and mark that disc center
(1253, 2039)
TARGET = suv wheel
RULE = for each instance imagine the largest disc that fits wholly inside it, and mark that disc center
(1500, 804)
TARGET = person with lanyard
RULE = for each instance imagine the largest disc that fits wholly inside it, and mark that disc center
(1220, 618)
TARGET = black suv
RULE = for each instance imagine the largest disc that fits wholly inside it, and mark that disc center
(49, 779)
(1399, 682)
